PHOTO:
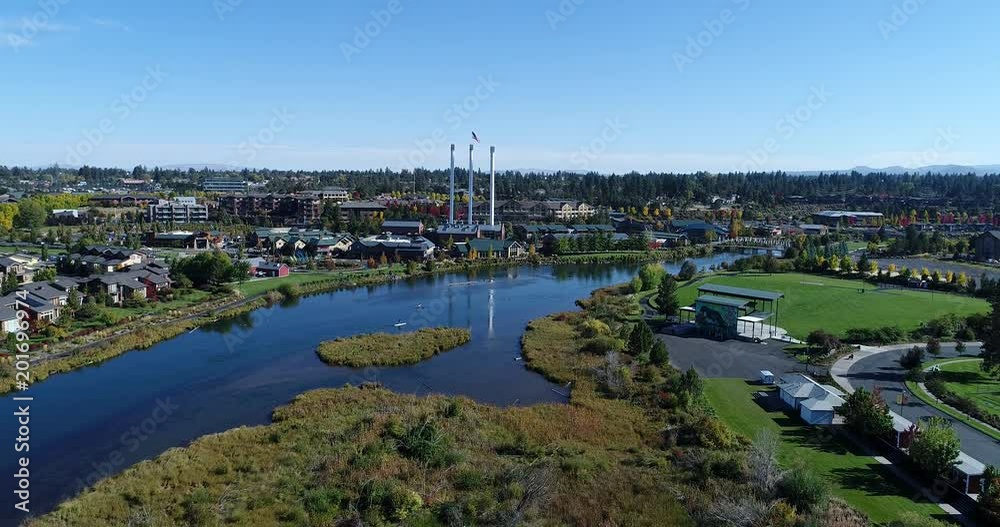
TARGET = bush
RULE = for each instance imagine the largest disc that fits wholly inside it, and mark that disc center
(425, 442)
(913, 358)
(688, 270)
(659, 354)
(593, 327)
(601, 345)
(804, 489)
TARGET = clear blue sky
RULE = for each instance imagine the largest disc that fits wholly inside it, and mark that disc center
(892, 88)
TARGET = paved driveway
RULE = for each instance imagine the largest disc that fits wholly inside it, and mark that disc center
(883, 371)
(731, 358)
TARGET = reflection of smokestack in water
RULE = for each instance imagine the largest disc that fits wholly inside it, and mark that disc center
(471, 148)
(451, 202)
(493, 184)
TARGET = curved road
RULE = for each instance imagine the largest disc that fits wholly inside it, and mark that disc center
(882, 370)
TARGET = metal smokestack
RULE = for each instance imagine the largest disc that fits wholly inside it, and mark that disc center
(493, 185)
(471, 182)
(451, 203)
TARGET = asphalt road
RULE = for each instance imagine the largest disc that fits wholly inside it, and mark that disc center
(883, 371)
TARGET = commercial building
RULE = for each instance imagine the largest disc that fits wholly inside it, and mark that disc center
(225, 185)
(177, 210)
(837, 218)
(394, 247)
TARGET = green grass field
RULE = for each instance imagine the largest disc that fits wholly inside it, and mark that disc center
(835, 305)
(853, 476)
(967, 379)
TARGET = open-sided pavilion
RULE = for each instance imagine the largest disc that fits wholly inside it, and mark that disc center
(725, 312)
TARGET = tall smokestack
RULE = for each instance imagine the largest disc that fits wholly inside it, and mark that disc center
(451, 203)
(471, 182)
(493, 185)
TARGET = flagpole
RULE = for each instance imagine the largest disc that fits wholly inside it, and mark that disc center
(451, 187)
(471, 181)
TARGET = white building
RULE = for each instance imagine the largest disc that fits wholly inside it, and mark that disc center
(815, 402)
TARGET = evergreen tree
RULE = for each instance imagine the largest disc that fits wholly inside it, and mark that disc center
(640, 341)
(666, 297)
(991, 342)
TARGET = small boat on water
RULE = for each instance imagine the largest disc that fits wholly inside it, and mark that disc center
(399, 324)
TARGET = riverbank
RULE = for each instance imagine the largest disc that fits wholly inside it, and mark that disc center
(370, 455)
(144, 332)
(391, 349)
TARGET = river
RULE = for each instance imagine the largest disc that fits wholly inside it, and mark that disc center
(97, 421)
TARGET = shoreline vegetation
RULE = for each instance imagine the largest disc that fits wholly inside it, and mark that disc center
(143, 333)
(391, 349)
(637, 443)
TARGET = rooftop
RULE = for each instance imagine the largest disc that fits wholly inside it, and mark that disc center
(741, 292)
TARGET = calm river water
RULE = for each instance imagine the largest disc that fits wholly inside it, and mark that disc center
(97, 421)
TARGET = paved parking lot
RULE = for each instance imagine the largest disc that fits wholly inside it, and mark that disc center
(731, 358)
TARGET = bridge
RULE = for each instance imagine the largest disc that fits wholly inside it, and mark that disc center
(754, 245)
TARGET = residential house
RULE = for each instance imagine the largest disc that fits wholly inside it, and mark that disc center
(9, 321)
(986, 246)
(506, 249)
(456, 232)
(814, 229)
(271, 270)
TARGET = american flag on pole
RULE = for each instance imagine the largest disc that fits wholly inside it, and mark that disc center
(474, 136)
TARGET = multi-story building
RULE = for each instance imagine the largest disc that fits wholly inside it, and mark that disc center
(179, 210)
(224, 185)
(335, 194)
(301, 209)
(357, 210)
(521, 211)
(836, 218)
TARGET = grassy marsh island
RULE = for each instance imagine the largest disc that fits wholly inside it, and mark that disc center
(391, 349)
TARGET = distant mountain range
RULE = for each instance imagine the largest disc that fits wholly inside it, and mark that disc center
(893, 170)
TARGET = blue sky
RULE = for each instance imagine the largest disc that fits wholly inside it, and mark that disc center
(606, 85)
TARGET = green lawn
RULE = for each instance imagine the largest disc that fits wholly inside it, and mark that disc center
(195, 296)
(260, 286)
(966, 379)
(816, 302)
(853, 476)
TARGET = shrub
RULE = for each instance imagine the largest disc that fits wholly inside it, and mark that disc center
(659, 354)
(936, 447)
(289, 290)
(804, 489)
(934, 346)
(913, 358)
(601, 345)
(425, 442)
(688, 270)
(593, 327)
(912, 519)
(636, 285)
(651, 275)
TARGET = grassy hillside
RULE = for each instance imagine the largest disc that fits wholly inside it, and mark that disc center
(816, 302)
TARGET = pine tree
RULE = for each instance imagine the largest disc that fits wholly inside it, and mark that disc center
(991, 344)
(640, 341)
(666, 297)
